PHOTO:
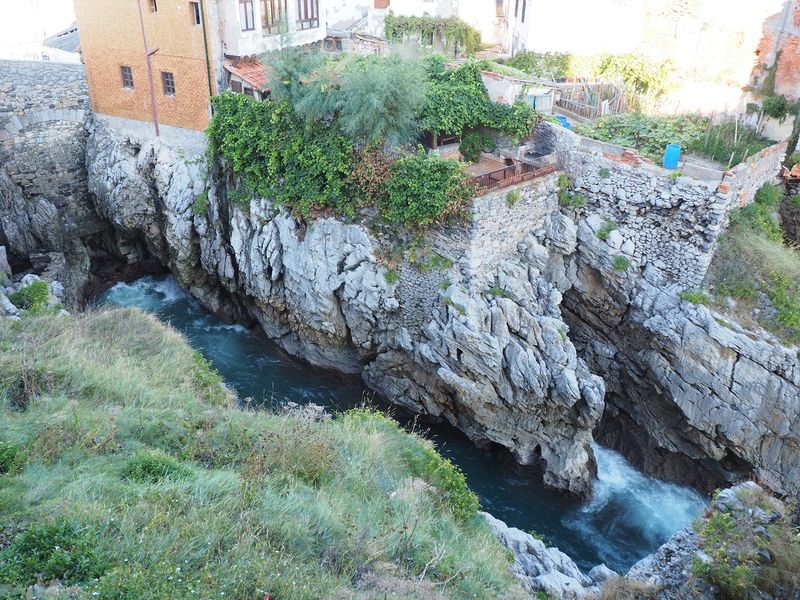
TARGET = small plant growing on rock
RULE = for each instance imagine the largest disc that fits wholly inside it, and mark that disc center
(564, 182)
(444, 285)
(620, 263)
(604, 173)
(435, 262)
(675, 175)
(606, 230)
(512, 198)
(391, 276)
(32, 297)
(200, 204)
(460, 309)
(571, 200)
(498, 292)
(695, 297)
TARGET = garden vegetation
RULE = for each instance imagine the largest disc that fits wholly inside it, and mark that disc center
(726, 142)
(338, 134)
(127, 471)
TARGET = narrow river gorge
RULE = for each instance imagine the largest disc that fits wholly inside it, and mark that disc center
(628, 517)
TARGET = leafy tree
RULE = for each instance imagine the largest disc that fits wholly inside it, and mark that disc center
(380, 98)
(373, 98)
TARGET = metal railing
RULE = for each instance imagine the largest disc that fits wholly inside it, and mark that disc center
(509, 175)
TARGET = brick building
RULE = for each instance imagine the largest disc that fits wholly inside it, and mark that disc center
(179, 36)
(192, 45)
(778, 55)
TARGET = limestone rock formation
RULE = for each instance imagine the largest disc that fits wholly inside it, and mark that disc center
(713, 402)
(547, 570)
(670, 570)
(498, 366)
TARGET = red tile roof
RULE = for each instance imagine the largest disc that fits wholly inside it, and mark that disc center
(250, 71)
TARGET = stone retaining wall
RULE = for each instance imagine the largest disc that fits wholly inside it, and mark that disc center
(669, 221)
(43, 116)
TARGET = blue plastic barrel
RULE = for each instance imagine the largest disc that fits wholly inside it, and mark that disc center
(672, 155)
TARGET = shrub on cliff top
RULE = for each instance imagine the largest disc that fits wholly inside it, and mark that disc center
(425, 189)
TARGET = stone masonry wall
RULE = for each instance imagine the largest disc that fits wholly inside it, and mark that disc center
(664, 220)
(44, 110)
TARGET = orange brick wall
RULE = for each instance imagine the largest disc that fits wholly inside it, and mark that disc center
(111, 36)
(781, 34)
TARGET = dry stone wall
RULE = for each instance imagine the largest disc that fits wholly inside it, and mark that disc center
(663, 220)
(44, 113)
(44, 209)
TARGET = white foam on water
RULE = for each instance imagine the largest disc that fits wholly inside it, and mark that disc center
(627, 504)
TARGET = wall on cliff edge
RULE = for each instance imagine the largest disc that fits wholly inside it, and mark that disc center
(43, 182)
(670, 224)
(691, 396)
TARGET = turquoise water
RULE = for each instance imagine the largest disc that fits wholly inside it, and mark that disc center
(629, 516)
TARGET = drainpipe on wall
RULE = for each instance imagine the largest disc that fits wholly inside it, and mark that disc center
(205, 47)
(148, 53)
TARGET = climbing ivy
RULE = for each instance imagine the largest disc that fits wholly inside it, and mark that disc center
(425, 189)
(454, 32)
(307, 165)
(457, 99)
(301, 164)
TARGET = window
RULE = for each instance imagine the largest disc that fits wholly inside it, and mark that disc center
(246, 18)
(248, 91)
(236, 86)
(194, 11)
(307, 14)
(273, 15)
(153, 5)
(127, 77)
(168, 83)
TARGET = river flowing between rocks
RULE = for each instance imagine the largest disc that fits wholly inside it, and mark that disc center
(629, 516)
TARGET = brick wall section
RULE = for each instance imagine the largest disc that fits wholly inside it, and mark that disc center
(111, 36)
(43, 116)
(781, 34)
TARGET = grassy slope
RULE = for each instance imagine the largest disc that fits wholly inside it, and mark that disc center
(123, 449)
(756, 267)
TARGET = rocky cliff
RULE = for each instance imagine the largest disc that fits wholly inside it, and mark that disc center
(479, 339)
(498, 364)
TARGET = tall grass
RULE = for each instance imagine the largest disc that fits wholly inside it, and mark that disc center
(754, 265)
(120, 431)
(730, 143)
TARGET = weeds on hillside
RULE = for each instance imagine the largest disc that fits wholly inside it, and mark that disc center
(132, 474)
(754, 266)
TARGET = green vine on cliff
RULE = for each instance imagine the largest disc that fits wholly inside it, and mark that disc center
(452, 31)
(308, 165)
(457, 100)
